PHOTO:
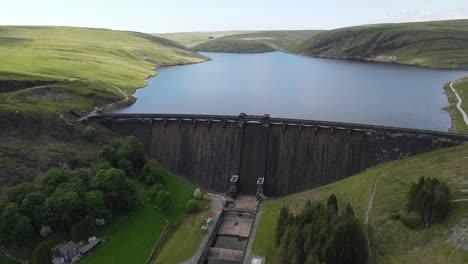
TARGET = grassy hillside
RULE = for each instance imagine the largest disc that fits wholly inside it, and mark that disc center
(458, 124)
(50, 76)
(260, 41)
(441, 44)
(391, 241)
(189, 39)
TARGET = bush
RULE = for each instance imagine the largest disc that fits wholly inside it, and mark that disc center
(89, 133)
(197, 194)
(154, 190)
(155, 175)
(193, 206)
(163, 200)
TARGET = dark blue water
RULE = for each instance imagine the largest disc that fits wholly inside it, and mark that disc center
(285, 85)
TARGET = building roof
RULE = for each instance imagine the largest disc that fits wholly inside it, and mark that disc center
(90, 246)
(68, 249)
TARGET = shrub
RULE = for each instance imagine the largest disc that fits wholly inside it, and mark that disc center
(193, 206)
(163, 200)
(197, 194)
(89, 133)
(155, 175)
(154, 190)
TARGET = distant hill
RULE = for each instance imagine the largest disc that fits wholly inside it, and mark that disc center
(189, 39)
(441, 44)
(242, 42)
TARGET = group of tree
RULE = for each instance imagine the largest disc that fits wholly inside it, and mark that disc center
(428, 201)
(60, 199)
(321, 233)
(194, 205)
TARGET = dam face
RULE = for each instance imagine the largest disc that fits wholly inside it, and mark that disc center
(291, 155)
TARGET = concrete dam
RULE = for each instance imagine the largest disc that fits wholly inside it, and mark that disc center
(291, 155)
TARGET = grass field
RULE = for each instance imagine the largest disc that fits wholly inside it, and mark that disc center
(253, 42)
(131, 239)
(5, 260)
(440, 44)
(391, 241)
(186, 240)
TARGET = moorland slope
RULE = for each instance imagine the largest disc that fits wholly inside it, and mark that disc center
(438, 44)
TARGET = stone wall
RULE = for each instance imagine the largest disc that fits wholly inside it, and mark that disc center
(292, 155)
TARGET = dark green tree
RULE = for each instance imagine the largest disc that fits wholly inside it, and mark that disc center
(132, 150)
(51, 179)
(42, 253)
(430, 199)
(83, 229)
(108, 153)
(126, 166)
(15, 228)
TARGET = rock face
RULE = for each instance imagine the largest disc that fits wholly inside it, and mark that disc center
(292, 155)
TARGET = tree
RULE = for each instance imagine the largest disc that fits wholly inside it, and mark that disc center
(15, 228)
(332, 203)
(197, 194)
(108, 153)
(17, 193)
(83, 229)
(119, 191)
(51, 179)
(163, 200)
(42, 253)
(126, 166)
(193, 206)
(348, 244)
(95, 206)
(430, 199)
(133, 151)
(282, 221)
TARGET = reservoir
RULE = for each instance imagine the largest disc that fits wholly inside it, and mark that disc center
(295, 86)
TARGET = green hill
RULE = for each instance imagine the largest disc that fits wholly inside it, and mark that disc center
(379, 193)
(260, 41)
(440, 44)
(189, 39)
(50, 76)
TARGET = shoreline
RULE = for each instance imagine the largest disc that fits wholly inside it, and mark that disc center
(452, 108)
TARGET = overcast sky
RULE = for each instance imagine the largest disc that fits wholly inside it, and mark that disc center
(158, 16)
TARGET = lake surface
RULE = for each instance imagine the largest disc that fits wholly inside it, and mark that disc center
(294, 86)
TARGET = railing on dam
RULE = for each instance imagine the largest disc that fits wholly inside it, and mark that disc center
(290, 154)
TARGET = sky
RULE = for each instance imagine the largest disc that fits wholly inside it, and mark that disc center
(161, 16)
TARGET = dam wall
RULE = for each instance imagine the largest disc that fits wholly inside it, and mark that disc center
(291, 155)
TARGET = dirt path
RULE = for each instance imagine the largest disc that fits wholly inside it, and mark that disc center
(460, 101)
(97, 110)
(370, 204)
